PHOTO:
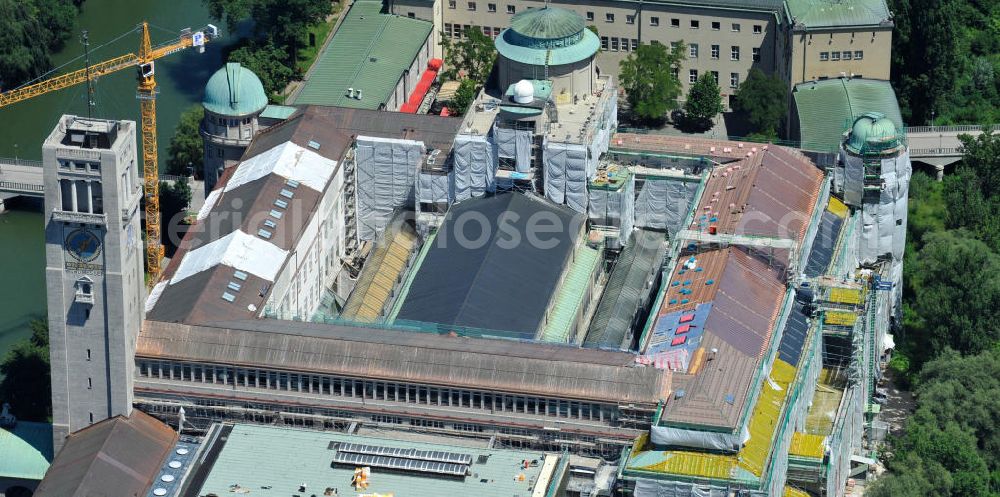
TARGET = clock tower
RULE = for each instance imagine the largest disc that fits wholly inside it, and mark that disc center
(93, 269)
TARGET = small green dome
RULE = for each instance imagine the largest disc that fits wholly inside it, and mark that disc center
(234, 91)
(872, 133)
(548, 24)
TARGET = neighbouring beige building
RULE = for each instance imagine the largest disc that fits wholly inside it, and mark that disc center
(726, 38)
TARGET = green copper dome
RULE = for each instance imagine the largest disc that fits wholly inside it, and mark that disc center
(234, 91)
(872, 133)
(547, 36)
(547, 23)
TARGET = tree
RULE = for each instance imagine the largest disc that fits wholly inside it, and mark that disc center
(283, 21)
(649, 80)
(973, 192)
(956, 290)
(473, 55)
(704, 102)
(174, 201)
(763, 100)
(186, 148)
(267, 61)
(26, 382)
(929, 59)
(32, 30)
(464, 96)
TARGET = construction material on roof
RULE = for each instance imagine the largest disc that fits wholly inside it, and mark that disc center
(288, 160)
(481, 276)
(382, 270)
(366, 58)
(628, 289)
(117, 456)
(825, 109)
(238, 250)
(807, 445)
(423, 86)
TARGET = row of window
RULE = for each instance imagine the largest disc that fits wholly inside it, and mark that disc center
(68, 165)
(610, 17)
(845, 55)
(81, 196)
(734, 77)
(374, 390)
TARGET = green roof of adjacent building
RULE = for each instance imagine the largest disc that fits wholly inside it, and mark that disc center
(837, 13)
(827, 108)
(278, 112)
(369, 52)
(273, 462)
(234, 91)
(25, 450)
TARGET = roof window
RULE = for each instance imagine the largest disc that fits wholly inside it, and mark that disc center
(287, 193)
(292, 183)
(240, 275)
(263, 233)
(281, 203)
(228, 297)
(234, 286)
(275, 214)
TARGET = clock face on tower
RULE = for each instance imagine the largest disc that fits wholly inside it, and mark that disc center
(83, 244)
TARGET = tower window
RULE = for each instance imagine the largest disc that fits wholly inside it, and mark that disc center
(90, 383)
(88, 354)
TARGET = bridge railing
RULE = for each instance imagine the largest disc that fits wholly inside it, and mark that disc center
(918, 152)
(20, 162)
(966, 128)
(15, 186)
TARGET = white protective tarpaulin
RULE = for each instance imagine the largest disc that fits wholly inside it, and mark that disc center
(289, 161)
(514, 144)
(883, 225)
(565, 171)
(237, 250)
(665, 436)
(475, 167)
(387, 175)
(434, 188)
(614, 208)
(663, 204)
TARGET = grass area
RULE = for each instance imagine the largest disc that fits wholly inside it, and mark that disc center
(307, 55)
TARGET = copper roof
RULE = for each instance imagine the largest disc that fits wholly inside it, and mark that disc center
(477, 363)
(117, 456)
(746, 295)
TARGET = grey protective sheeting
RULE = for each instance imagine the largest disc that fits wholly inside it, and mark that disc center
(664, 204)
(854, 178)
(514, 144)
(434, 188)
(387, 173)
(614, 208)
(565, 173)
(475, 167)
(665, 436)
(645, 487)
(883, 225)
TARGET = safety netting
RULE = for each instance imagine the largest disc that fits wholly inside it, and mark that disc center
(475, 167)
(387, 172)
(663, 204)
(614, 207)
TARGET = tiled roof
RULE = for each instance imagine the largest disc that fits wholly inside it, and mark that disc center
(117, 456)
(369, 52)
(825, 109)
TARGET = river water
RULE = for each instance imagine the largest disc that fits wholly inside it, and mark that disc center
(181, 78)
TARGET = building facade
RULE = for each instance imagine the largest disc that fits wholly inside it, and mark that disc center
(725, 38)
(94, 273)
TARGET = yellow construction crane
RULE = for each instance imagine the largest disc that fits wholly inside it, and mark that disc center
(147, 102)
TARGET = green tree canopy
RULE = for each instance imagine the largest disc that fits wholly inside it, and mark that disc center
(268, 62)
(953, 280)
(704, 102)
(648, 77)
(464, 97)
(32, 29)
(284, 21)
(186, 148)
(26, 383)
(472, 56)
(763, 100)
(174, 201)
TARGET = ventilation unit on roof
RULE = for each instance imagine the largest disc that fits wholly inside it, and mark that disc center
(350, 92)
